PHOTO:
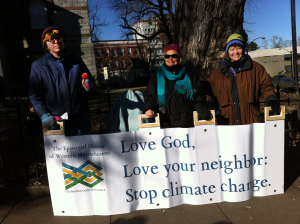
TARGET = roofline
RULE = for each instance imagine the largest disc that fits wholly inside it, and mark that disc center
(121, 41)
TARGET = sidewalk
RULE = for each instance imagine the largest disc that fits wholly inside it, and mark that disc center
(277, 209)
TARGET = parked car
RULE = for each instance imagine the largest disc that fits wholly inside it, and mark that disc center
(282, 79)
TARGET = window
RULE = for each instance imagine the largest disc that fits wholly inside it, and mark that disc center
(38, 14)
(123, 63)
(129, 51)
(130, 63)
(136, 51)
(108, 64)
(100, 64)
(116, 64)
(137, 63)
(287, 57)
(114, 51)
(144, 50)
(288, 69)
(156, 62)
(122, 52)
(98, 53)
(106, 53)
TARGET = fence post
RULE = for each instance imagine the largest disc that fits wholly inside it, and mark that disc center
(278, 91)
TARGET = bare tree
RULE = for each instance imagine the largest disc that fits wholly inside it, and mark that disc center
(201, 28)
(287, 43)
(276, 42)
(132, 11)
(265, 44)
(95, 20)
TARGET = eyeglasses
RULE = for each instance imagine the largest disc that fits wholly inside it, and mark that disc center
(59, 39)
(173, 56)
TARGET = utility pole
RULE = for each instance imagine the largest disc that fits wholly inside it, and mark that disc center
(295, 65)
(106, 77)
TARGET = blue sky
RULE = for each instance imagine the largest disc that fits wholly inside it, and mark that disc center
(266, 19)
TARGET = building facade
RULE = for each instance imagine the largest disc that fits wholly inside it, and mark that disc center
(22, 24)
(276, 60)
(127, 60)
(157, 45)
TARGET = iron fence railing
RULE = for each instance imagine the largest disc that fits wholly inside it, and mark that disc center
(22, 157)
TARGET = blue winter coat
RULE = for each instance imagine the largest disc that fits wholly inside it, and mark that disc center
(55, 85)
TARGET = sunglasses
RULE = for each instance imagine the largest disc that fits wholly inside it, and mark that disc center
(173, 56)
(52, 40)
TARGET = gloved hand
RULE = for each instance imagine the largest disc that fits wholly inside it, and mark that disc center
(274, 104)
(48, 121)
(87, 84)
(203, 112)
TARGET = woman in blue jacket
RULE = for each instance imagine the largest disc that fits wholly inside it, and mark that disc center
(56, 85)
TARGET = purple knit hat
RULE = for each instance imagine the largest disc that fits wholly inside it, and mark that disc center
(172, 47)
(47, 30)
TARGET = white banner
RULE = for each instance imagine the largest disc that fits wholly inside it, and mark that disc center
(160, 168)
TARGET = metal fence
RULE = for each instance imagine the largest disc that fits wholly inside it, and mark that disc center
(22, 157)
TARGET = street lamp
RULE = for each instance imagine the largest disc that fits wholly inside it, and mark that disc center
(253, 41)
(291, 53)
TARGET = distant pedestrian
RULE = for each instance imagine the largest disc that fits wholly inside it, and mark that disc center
(56, 85)
(238, 83)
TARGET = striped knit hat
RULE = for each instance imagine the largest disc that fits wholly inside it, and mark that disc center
(234, 39)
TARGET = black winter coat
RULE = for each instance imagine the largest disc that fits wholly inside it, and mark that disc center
(181, 108)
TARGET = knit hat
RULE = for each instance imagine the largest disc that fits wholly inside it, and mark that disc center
(172, 47)
(50, 31)
(234, 39)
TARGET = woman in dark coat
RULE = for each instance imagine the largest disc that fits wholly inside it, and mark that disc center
(176, 90)
(238, 83)
(56, 85)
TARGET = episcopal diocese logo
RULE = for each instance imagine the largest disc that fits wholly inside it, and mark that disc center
(87, 174)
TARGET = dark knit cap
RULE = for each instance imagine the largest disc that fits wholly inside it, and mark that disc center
(49, 29)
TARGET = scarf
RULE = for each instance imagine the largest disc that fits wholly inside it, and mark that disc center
(183, 84)
(235, 66)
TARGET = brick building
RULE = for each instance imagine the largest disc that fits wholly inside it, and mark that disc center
(126, 59)
(22, 23)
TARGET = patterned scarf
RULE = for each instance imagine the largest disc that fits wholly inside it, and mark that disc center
(183, 84)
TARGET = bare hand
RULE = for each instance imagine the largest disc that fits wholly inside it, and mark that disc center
(149, 113)
(32, 110)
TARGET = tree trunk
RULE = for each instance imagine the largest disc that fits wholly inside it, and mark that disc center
(202, 29)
